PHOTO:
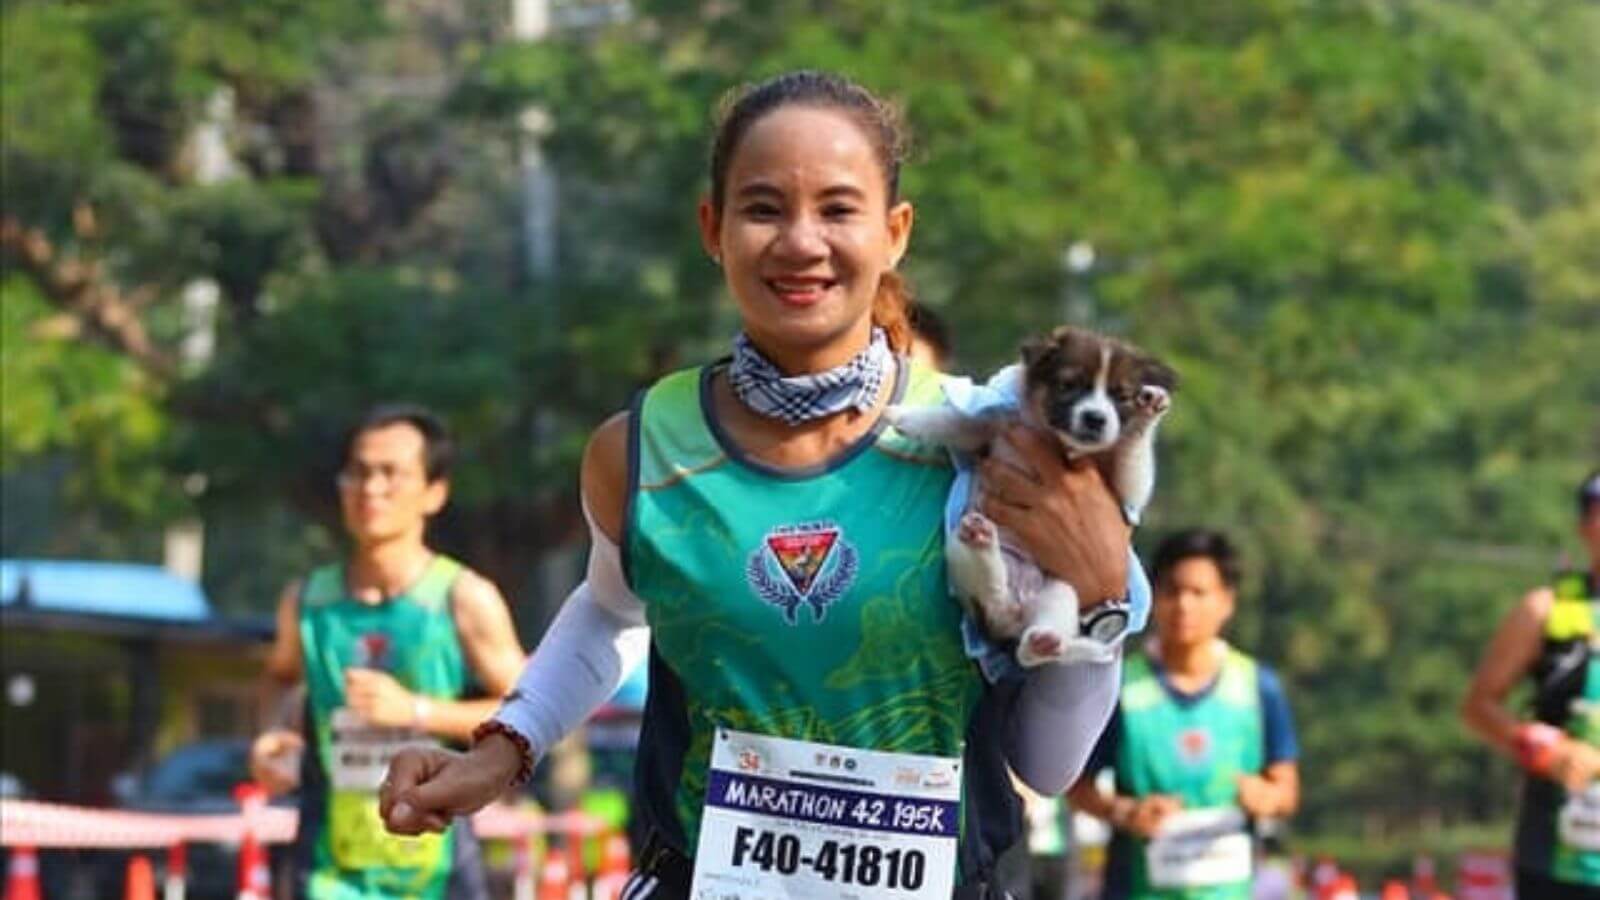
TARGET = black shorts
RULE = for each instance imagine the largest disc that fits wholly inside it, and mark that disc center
(1533, 885)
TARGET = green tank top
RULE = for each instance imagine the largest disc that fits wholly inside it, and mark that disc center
(1193, 750)
(412, 637)
(805, 604)
(1569, 628)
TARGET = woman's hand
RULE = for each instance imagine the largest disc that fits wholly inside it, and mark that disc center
(426, 786)
(1063, 514)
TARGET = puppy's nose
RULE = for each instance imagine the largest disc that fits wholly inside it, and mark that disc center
(1092, 420)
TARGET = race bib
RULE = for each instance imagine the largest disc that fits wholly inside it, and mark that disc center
(360, 751)
(1200, 848)
(1579, 820)
(786, 818)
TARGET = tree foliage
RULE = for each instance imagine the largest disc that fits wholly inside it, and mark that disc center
(1365, 232)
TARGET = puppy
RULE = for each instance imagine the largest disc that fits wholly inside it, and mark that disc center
(1098, 397)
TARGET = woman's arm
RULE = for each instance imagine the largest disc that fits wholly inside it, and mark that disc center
(595, 641)
(1058, 717)
(1071, 523)
(1061, 711)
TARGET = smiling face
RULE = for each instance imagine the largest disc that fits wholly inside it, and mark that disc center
(805, 233)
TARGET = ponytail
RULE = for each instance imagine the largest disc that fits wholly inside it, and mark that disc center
(891, 310)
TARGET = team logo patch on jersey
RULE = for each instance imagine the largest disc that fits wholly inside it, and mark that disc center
(811, 564)
(372, 651)
(1194, 746)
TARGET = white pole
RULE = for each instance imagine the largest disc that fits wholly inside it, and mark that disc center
(184, 542)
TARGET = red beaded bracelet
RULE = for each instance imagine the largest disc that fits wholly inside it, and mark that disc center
(524, 747)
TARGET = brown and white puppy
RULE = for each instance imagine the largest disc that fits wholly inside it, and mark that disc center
(1099, 397)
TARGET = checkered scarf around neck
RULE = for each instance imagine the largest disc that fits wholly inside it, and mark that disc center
(766, 391)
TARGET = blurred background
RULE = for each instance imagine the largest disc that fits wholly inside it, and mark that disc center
(1367, 233)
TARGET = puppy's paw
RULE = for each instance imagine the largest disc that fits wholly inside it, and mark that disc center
(1152, 402)
(977, 531)
(1085, 650)
(1040, 645)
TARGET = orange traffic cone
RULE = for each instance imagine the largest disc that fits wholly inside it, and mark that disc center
(615, 863)
(140, 883)
(1394, 889)
(555, 876)
(1345, 888)
(22, 874)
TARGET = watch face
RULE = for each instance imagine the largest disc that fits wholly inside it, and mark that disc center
(1106, 625)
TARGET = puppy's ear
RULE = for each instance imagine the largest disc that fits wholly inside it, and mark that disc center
(1061, 340)
(1035, 349)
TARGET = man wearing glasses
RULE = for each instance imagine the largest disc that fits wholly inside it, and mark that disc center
(383, 643)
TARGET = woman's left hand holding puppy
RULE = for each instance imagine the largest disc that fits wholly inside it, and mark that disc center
(1062, 513)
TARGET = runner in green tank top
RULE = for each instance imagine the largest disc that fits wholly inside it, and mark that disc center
(1550, 639)
(786, 549)
(1201, 742)
(383, 644)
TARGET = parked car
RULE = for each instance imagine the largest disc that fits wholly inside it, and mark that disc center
(194, 779)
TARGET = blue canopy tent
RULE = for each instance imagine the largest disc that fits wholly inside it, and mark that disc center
(103, 661)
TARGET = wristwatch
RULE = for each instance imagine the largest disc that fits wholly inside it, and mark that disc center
(1107, 622)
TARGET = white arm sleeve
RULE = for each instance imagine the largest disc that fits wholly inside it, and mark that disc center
(596, 640)
(1057, 719)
